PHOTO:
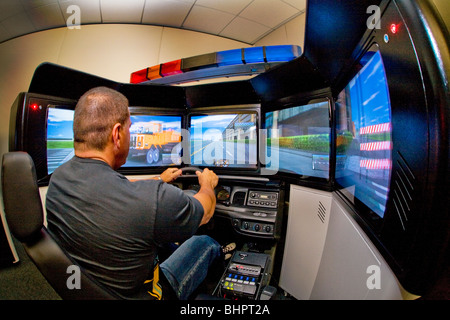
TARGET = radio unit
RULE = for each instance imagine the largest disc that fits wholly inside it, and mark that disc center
(263, 199)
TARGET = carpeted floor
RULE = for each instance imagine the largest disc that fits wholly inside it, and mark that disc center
(23, 281)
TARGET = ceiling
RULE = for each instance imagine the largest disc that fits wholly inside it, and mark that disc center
(243, 20)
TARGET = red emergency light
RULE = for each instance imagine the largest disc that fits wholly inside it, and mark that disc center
(393, 28)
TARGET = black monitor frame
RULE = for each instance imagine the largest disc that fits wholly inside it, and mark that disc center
(416, 215)
(28, 128)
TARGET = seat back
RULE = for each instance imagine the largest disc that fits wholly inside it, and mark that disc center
(25, 218)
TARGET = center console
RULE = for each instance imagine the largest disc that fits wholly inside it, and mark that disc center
(249, 211)
(254, 207)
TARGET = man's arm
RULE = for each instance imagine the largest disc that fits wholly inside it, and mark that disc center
(206, 196)
(168, 175)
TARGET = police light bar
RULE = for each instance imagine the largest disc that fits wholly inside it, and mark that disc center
(235, 57)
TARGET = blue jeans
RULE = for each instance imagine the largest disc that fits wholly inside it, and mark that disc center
(188, 266)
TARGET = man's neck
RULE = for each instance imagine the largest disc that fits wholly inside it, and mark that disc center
(96, 155)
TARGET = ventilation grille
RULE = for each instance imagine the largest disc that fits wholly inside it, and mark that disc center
(403, 189)
(239, 198)
(321, 212)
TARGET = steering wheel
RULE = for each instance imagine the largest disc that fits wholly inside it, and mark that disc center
(190, 169)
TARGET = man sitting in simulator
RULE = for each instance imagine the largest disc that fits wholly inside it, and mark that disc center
(112, 226)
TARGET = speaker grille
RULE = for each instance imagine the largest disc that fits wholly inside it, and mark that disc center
(321, 212)
(403, 190)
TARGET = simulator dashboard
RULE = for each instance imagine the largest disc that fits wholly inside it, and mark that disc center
(253, 206)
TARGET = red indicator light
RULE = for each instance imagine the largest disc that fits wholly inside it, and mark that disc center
(393, 28)
(34, 106)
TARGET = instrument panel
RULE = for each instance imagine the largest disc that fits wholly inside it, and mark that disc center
(252, 205)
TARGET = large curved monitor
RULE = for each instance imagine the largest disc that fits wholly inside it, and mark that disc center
(364, 142)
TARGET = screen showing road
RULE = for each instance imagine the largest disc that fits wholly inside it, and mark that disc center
(224, 140)
(155, 140)
(59, 137)
(364, 141)
(299, 137)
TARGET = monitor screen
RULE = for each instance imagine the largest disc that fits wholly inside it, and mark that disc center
(224, 140)
(59, 137)
(155, 140)
(299, 138)
(364, 141)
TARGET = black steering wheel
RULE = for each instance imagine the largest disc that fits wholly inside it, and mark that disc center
(190, 169)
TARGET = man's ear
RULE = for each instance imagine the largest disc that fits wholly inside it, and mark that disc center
(116, 134)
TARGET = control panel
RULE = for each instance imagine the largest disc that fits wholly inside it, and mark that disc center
(254, 227)
(262, 199)
(254, 211)
(245, 276)
(241, 279)
(252, 204)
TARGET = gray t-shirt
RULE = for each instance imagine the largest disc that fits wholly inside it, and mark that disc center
(112, 226)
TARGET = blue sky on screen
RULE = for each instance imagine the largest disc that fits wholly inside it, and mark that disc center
(210, 127)
(60, 124)
(167, 122)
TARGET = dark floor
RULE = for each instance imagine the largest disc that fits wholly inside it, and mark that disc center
(23, 281)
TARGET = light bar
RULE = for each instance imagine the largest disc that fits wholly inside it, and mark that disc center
(203, 61)
(254, 55)
(171, 68)
(139, 76)
(154, 72)
(230, 57)
(282, 53)
(250, 55)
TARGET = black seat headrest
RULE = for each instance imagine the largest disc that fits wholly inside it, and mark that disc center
(21, 199)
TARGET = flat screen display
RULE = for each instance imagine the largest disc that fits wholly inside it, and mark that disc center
(155, 140)
(299, 138)
(364, 142)
(59, 137)
(224, 140)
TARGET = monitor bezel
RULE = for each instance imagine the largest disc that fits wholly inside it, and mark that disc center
(28, 128)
